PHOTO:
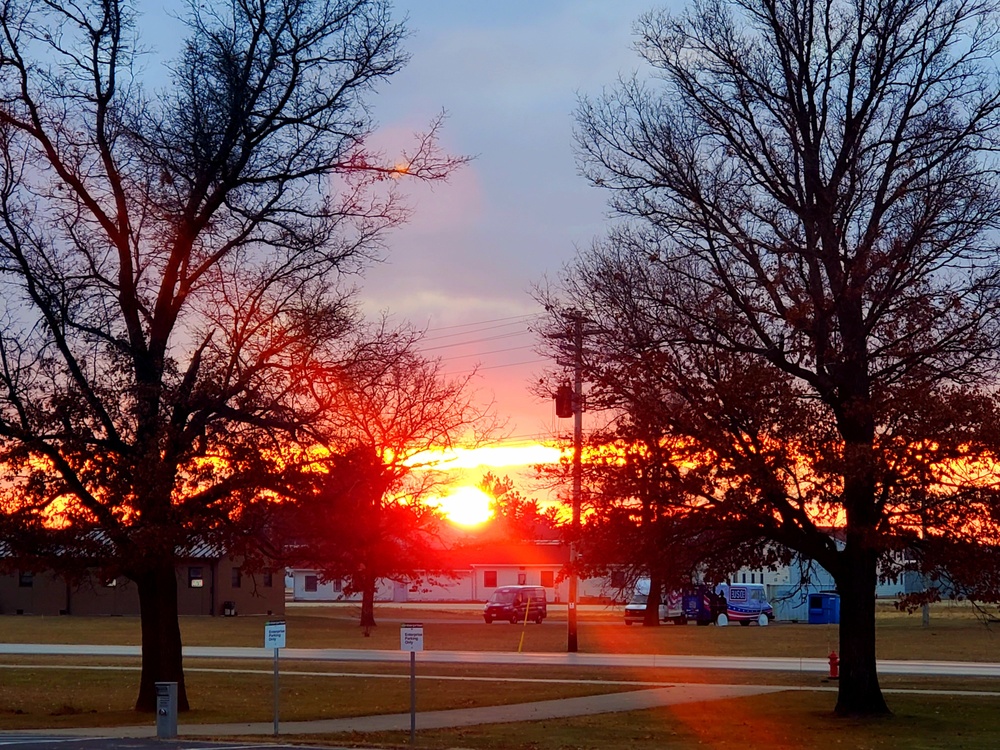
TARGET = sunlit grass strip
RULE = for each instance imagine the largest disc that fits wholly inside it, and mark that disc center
(75, 696)
(779, 721)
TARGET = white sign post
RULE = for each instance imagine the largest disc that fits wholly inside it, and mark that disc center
(411, 638)
(274, 637)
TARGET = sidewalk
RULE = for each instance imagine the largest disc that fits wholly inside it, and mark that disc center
(535, 711)
(766, 664)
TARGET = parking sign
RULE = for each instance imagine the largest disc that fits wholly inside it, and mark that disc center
(411, 636)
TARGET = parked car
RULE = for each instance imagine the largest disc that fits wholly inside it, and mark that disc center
(671, 610)
(516, 604)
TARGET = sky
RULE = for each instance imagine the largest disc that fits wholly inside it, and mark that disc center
(508, 74)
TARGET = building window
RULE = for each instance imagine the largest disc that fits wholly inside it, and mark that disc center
(195, 578)
(26, 579)
(338, 585)
(311, 582)
(490, 579)
(618, 579)
(522, 578)
(548, 578)
(268, 579)
(237, 578)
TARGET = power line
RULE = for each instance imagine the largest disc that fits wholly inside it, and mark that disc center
(477, 329)
(494, 367)
(527, 316)
(486, 354)
(514, 364)
(483, 340)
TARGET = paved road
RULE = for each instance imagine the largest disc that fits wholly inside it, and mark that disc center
(915, 667)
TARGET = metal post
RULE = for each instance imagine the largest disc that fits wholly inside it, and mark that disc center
(166, 710)
(276, 692)
(571, 640)
(413, 697)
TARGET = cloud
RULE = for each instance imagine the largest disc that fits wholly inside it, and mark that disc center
(508, 75)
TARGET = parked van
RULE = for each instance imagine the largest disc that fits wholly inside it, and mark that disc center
(738, 602)
(671, 608)
(704, 606)
(745, 603)
(515, 603)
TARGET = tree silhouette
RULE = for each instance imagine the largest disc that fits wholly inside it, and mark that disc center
(516, 518)
(807, 265)
(171, 266)
(367, 522)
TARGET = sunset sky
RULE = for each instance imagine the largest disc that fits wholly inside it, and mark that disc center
(508, 74)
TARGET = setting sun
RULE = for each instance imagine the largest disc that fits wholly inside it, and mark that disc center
(466, 506)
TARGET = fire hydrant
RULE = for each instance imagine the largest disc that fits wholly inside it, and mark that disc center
(834, 665)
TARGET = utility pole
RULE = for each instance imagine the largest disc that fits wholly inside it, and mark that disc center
(569, 403)
(571, 639)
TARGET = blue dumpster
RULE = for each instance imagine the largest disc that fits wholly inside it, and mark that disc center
(824, 608)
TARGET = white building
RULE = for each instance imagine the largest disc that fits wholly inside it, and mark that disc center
(478, 572)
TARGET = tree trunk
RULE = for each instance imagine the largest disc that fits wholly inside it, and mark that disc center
(162, 660)
(368, 605)
(859, 691)
(652, 616)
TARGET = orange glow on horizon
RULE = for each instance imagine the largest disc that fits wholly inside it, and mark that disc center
(494, 456)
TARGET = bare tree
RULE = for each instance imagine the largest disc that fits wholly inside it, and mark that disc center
(171, 266)
(392, 417)
(810, 205)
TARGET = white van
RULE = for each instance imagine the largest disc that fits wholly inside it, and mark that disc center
(671, 605)
(745, 603)
(671, 609)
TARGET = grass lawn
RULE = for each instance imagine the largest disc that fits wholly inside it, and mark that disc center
(955, 634)
(44, 695)
(42, 692)
(780, 721)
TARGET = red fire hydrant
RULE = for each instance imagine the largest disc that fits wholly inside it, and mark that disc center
(834, 665)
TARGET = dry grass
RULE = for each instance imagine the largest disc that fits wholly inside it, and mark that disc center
(956, 633)
(43, 696)
(37, 692)
(780, 721)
